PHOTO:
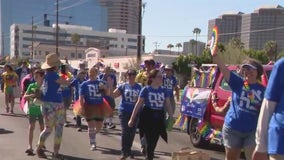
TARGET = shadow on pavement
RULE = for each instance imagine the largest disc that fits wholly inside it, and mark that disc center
(14, 115)
(4, 131)
(65, 157)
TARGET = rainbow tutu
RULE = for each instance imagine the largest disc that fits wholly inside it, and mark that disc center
(90, 111)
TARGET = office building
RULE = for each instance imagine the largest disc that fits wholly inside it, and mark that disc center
(122, 14)
(265, 24)
(190, 47)
(229, 25)
(114, 42)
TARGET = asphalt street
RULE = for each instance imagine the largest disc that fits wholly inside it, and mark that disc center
(75, 145)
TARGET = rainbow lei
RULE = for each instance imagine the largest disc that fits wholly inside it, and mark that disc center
(214, 41)
(250, 94)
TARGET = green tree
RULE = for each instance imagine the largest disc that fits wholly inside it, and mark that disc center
(178, 45)
(170, 46)
(196, 32)
(270, 49)
(237, 43)
(75, 38)
(257, 54)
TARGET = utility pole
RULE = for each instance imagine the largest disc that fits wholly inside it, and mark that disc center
(32, 51)
(156, 44)
(139, 46)
(56, 28)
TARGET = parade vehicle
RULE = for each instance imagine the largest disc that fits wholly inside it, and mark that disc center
(203, 123)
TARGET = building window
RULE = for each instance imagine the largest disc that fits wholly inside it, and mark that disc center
(122, 46)
(72, 55)
(122, 39)
(46, 53)
(79, 55)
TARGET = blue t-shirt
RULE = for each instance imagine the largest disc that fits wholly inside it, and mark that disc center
(91, 92)
(76, 83)
(154, 98)
(129, 96)
(51, 90)
(243, 112)
(169, 83)
(275, 92)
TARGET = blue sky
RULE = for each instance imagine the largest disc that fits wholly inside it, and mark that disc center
(172, 21)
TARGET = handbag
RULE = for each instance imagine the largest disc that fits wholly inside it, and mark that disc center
(16, 91)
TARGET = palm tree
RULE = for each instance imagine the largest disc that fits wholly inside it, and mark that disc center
(75, 38)
(271, 50)
(170, 46)
(196, 31)
(178, 45)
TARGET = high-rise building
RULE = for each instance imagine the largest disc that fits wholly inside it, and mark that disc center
(122, 14)
(229, 25)
(253, 29)
(265, 24)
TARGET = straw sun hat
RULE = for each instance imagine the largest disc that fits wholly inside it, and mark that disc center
(51, 60)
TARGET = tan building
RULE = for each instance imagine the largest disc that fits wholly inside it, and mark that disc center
(229, 24)
(264, 24)
(122, 14)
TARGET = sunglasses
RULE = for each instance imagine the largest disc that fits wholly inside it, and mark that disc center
(131, 74)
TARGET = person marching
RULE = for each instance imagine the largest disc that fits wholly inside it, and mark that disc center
(129, 92)
(52, 107)
(76, 84)
(10, 79)
(171, 85)
(154, 100)
(142, 79)
(94, 107)
(34, 111)
(247, 96)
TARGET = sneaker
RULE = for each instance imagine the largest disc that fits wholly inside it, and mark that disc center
(40, 153)
(105, 125)
(111, 126)
(29, 151)
(124, 156)
(79, 129)
(66, 124)
(93, 147)
(7, 109)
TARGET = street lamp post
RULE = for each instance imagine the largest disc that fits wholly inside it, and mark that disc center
(32, 51)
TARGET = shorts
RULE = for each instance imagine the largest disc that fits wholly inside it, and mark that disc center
(33, 118)
(67, 102)
(9, 90)
(237, 140)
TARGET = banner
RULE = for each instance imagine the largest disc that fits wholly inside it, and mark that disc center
(194, 101)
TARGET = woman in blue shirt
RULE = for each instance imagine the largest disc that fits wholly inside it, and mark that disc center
(241, 119)
(94, 106)
(154, 99)
(52, 107)
(129, 92)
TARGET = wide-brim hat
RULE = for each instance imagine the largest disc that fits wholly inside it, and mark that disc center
(51, 60)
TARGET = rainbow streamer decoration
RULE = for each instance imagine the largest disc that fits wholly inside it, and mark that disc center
(214, 41)
(181, 122)
(204, 129)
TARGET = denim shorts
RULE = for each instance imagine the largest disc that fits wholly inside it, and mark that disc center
(237, 140)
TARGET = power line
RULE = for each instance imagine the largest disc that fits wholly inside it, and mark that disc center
(221, 34)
